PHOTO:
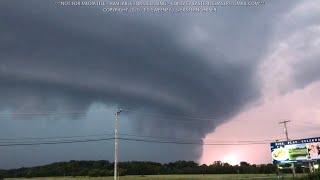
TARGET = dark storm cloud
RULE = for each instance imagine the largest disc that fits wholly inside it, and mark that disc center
(132, 64)
(64, 59)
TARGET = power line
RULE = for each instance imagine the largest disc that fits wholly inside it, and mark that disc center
(191, 143)
(306, 124)
(54, 142)
(127, 139)
(301, 122)
(217, 141)
(169, 119)
(52, 113)
(131, 139)
(152, 116)
(131, 135)
(169, 115)
(41, 112)
(55, 137)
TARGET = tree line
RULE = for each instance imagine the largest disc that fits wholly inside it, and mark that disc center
(105, 168)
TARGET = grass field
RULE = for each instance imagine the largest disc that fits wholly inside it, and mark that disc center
(171, 177)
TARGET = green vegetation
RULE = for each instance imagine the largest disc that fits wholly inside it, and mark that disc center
(185, 177)
(170, 177)
(145, 170)
(314, 176)
(105, 168)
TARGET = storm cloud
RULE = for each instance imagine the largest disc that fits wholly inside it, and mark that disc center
(64, 59)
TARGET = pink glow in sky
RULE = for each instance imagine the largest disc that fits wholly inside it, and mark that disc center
(291, 56)
(261, 123)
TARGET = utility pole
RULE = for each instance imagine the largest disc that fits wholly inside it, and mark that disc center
(116, 144)
(287, 136)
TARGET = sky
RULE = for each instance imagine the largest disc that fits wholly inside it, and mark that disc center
(228, 76)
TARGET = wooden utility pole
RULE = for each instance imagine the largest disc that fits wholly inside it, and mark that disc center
(116, 144)
(287, 136)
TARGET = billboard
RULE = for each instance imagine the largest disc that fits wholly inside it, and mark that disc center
(301, 150)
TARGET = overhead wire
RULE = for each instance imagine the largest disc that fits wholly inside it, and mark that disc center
(54, 137)
(173, 116)
(54, 142)
(154, 139)
(141, 139)
(128, 139)
(191, 143)
(211, 140)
